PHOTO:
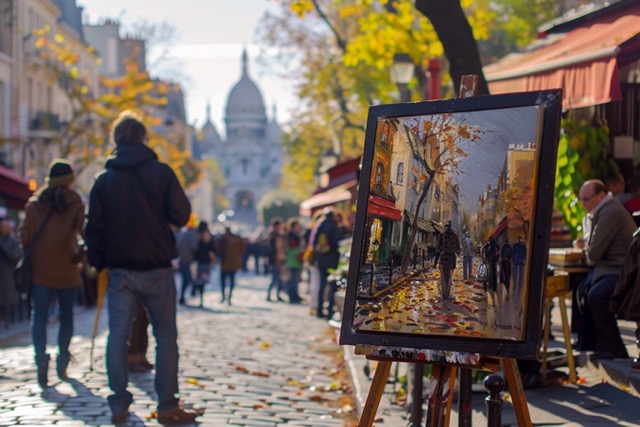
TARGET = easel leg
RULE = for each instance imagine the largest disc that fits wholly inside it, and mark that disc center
(465, 399)
(441, 398)
(416, 395)
(375, 393)
(516, 391)
(567, 341)
(547, 332)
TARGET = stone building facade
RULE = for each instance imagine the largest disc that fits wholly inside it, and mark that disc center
(251, 155)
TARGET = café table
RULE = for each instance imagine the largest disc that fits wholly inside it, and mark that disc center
(557, 286)
(570, 269)
(571, 262)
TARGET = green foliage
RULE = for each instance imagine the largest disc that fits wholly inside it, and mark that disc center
(583, 154)
(277, 203)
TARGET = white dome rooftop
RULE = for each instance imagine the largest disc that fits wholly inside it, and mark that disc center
(245, 100)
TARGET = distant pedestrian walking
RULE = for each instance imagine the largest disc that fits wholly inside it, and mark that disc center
(325, 248)
(9, 256)
(314, 274)
(133, 204)
(230, 248)
(293, 261)
(277, 257)
(54, 261)
(139, 342)
(205, 258)
(187, 243)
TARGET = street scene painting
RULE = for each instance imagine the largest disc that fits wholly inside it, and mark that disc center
(447, 224)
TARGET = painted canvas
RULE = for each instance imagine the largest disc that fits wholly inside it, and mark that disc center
(452, 222)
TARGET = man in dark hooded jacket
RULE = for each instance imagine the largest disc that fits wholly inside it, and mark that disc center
(132, 207)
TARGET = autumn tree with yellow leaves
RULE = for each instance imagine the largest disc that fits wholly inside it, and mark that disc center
(339, 54)
(85, 135)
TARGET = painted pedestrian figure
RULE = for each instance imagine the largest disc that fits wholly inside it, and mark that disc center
(506, 253)
(467, 256)
(519, 259)
(490, 253)
(449, 247)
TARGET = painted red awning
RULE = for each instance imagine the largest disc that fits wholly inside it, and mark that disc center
(501, 226)
(14, 189)
(584, 62)
(383, 208)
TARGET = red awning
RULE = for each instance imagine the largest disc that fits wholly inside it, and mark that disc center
(383, 208)
(335, 195)
(14, 189)
(584, 62)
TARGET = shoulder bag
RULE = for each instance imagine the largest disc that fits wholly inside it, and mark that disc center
(22, 273)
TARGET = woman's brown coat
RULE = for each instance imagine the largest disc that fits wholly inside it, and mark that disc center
(54, 259)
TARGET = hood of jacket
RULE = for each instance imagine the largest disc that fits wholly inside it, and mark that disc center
(129, 156)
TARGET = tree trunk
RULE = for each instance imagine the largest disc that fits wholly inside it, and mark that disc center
(454, 31)
(414, 226)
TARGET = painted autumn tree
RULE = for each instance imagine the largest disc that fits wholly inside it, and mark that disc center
(517, 201)
(435, 148)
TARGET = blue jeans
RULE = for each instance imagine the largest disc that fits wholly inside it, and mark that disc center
(276, 281)
(324, 280)
(187, 278)
(156, 291)
(41, 299)
(223, 283)
(292, 285)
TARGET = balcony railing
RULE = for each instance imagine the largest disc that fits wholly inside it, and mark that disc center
(45, 121)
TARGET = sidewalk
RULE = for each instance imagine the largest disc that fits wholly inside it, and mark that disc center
(254, 363)
(271, 364)
(608, 396)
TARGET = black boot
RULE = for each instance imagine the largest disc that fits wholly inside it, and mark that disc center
(62, 362)
(43, 371)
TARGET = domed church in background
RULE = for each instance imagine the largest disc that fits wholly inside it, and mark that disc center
(251, 157)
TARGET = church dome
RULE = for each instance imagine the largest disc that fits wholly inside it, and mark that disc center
(245, 102)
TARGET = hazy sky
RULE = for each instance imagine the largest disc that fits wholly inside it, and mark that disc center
(211, 36)
(485, 159)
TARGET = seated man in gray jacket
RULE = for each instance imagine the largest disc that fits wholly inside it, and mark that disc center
(606, 245)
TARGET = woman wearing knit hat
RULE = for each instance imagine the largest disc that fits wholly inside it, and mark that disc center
(54, 261)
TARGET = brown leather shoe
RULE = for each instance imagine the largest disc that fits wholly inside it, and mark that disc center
(178, 416)
(119, 417)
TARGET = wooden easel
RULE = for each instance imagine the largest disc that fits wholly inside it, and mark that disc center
(444, 374)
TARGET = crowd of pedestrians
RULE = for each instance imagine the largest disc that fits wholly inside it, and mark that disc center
(137, 231)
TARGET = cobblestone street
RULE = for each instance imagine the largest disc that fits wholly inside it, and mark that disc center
(254, 363)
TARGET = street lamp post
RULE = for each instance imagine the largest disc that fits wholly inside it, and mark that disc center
(402, 73)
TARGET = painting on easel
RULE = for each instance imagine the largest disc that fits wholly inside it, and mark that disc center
(452, 220)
